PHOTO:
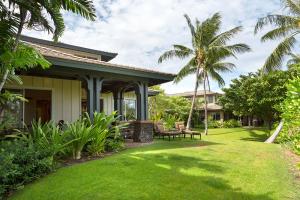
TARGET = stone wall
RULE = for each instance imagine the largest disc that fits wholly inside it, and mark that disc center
(139, 131)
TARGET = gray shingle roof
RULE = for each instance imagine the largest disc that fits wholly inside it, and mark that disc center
(54, 53)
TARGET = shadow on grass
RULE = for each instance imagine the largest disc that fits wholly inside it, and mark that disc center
(190, 173)
(257, 137)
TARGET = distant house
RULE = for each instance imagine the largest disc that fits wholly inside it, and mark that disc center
(82, 80)
(215, 110)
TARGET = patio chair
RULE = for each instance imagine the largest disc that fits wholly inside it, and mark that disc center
(160, 131)
(180, 127)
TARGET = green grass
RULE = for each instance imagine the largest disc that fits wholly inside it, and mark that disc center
(227, 164)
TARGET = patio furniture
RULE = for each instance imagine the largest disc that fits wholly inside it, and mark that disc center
(180, 126)
(160, 131)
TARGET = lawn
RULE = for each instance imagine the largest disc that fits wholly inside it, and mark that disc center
(226, 164)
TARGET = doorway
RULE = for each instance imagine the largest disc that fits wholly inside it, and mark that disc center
(38, 105)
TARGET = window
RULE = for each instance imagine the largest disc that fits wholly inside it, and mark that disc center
(210, 99)
(11, 113)
(216, 116)
(129, 109)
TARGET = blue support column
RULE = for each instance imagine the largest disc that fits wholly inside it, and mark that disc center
(90, 96)
(118, 101)
(98, 87)
(146, 100)
(141, 101)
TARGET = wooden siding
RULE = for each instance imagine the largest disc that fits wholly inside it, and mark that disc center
(66, 99)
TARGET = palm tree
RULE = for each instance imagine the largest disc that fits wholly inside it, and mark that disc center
(286, 27)
(207, 55)
(33, 14)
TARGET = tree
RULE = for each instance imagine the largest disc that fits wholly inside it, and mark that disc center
(207, 55)
(161, 106)
(286, 27)
(256, 95)
(46, 15)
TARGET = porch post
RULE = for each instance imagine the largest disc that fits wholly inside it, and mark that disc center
(98, 88)
(118, 101)
(141, 101)
(90, 96)
(146, 100)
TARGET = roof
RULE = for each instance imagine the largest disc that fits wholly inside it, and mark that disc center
(60, 58)
(105, 56)
(211, 106)
(189, 94)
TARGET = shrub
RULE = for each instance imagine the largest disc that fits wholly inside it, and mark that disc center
(232, 123)
(169, 121)
(290, 134)
(115, 141)
(21, 163)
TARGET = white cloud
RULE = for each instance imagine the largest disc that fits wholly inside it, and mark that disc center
(140, 30)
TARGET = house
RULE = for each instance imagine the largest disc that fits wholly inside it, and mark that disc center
(82, 80)
(215, 110)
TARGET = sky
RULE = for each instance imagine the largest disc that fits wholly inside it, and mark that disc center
(141, 30)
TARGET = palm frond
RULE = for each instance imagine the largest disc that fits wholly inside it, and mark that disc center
(217, 77)
(295, 58)
(189, 68)
(222, 38)
(274, 61)
(190, 25)
(85, 8)
(179, 51)
(277, 20)
(223, 66)
(278, 33)
(293, 6)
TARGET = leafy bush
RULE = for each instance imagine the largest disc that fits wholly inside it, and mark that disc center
(232, 123)
(21, 163)
(290, 134)
(169, 121)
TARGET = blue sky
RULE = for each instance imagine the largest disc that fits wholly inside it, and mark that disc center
(141, 30)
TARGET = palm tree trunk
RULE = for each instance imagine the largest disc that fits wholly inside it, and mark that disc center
(23, 14)
(188, 126)
(205, 105)
(208, 83)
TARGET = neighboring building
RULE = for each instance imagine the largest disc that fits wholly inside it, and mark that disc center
(79, 80)
(215, 111)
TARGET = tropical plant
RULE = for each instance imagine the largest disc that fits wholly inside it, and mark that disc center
(286, 27)
(33, 14)
(207, 55)
(80, 133)
(49, 135)
(102, 127)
